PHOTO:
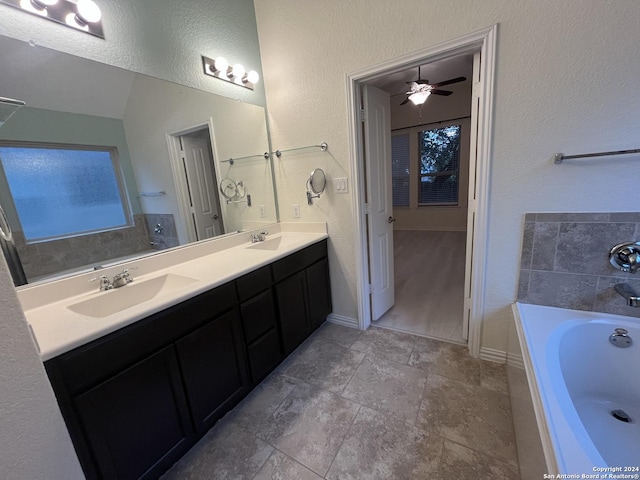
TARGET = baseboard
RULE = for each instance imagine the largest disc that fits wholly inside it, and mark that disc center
(343, 320)
(493, 355)
(515, 360)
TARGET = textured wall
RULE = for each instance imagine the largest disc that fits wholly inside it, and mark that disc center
(161, 38)
(566, 81)
(565, 260)
(34, 442)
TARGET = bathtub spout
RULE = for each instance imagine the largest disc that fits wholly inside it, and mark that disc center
(629, 294)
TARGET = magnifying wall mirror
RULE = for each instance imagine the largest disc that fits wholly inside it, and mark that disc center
(315, 185)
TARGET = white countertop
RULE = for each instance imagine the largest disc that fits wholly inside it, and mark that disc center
(56, 329)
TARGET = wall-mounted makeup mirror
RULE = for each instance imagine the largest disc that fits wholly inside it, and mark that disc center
(159, 151)
(316, 183)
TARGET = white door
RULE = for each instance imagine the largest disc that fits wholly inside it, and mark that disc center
(472, 205)
(201, 186)
(377, 152)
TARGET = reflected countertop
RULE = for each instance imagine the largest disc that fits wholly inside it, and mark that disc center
(70, 312)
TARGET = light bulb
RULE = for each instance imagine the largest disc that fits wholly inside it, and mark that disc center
(44, 3)
(221, 64)
(419, 98)
(253, 77)
(32, 7)
(88, 11)
(238, 71)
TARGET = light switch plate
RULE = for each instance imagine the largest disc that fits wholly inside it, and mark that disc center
(296, 210)
(341, 185)
(263, 212)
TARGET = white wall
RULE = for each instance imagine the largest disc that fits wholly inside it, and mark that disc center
(34, 442)
(566, 82)
(162, 38)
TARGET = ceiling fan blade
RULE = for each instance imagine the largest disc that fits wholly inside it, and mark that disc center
(405, 101)
(449, 82)
(446, 93)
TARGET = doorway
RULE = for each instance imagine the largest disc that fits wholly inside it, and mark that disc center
(482, 46)
(196, 181)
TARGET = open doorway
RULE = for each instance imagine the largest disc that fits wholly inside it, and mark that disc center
(368, 193)
(196, 181)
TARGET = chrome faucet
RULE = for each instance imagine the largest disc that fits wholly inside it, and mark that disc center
(258, 237)
(123, 278)
(119, 280)
(629, 294)
(105, 283)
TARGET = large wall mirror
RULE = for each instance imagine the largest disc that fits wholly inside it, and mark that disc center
(103, 165)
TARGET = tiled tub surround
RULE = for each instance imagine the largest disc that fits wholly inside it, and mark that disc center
(374, 404)
(565, 260)
(52, 257)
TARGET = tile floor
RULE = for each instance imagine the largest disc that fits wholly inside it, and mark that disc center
(365, 405)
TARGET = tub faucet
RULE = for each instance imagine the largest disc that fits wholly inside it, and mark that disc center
(629, 294)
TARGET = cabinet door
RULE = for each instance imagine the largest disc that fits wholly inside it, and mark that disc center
(319, 292)
(136, 423)
(294, 323)
(213, 369)
(258, 316)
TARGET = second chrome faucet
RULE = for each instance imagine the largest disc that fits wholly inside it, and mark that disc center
(119, 280)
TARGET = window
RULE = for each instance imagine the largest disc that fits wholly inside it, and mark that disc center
(400, 161)
(439, 165)
(60, 191)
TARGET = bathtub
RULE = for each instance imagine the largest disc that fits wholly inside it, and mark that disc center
(577, 378)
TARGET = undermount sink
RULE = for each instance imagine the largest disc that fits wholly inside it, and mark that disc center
(116, 300)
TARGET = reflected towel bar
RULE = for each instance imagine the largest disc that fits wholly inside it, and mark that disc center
(152, 194)
(323, 146)
(559, 157)
(231, 161)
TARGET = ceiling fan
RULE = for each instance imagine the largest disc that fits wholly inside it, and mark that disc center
(420, 89)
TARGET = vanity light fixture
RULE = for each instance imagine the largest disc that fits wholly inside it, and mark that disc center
(83, 15)
(220, 68)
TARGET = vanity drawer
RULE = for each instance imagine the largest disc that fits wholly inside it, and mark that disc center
(253, 283)
(87, 365)
(297, 261)
(258, 315)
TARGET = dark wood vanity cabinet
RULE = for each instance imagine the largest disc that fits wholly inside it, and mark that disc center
(137, 399)
(303, 293)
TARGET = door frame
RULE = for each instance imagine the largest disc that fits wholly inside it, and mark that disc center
(483, 41)
(179, 176)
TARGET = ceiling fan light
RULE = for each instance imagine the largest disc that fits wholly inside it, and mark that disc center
(419, 98)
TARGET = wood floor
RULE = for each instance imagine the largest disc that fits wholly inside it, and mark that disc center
(429, 285)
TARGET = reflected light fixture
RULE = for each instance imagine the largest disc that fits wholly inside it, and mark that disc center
(220, 68)
(83, 15)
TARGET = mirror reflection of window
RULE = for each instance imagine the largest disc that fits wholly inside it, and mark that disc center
(61, 191)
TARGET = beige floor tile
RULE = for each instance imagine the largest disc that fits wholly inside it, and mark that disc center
(332, 332)
(385, 343)
(227, 451)
(324, 364)
(382, 447)
(461, 463)
(388, 386)
(310, 426)
(282, 467)
(258, 406)
(446, 359)
(470, 415)
(493, 376)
